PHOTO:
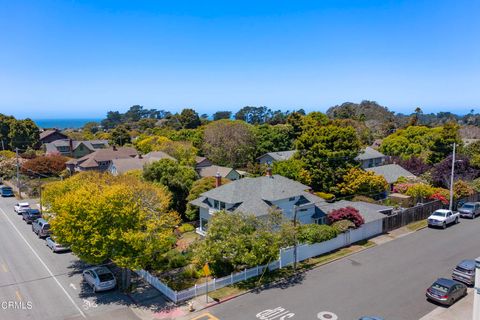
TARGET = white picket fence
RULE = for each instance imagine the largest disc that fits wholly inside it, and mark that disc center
(286, 257)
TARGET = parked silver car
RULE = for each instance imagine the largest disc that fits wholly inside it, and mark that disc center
(470, 210)
(41, 227)
(55, 246)
(21, 207)
(99, 278)
(465, 272)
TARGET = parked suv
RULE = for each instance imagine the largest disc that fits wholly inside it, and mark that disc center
(21, 207)
(470, 210)
(6, 191)
(31, 215)
(465, 272)
(41, 228)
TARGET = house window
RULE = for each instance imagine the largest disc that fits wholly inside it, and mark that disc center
(303, 210)
(321, 220)
(204, 224)
(216, 204)
(291, 199)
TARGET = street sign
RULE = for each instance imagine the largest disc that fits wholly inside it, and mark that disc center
(206, 270)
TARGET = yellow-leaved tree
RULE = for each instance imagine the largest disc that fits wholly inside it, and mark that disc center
(105, 218)
(361, 182)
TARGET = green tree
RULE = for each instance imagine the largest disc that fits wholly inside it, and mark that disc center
(24, 134)
(198, 187)
(328, 153)
(176, 177)
(235, 241)
(411, 141)
(273, 138)
(295, 119)
(189, 119)
(443, 144)
(360, 182)
(120, 136)
(91, 127)
(118, 218)
(254, 115)
(219, 115)
(229, 143)
(293, 169)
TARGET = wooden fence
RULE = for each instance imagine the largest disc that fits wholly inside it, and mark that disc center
(406, 216)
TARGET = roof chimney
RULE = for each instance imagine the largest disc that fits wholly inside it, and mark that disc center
(218, 180)
(70, 142)
(269, 172)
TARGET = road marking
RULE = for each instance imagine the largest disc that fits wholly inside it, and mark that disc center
(73, 286)
(19, 297)
(205, 316)
(4, 267)
(278, 313)
(44, 265)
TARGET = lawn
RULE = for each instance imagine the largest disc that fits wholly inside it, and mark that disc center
(414, 226)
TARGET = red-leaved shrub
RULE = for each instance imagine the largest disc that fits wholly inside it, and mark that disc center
(347, 213)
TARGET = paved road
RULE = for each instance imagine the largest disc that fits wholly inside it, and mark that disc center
(388, 280)
(36, 283)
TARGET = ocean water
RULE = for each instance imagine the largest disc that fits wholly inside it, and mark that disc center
(64, 123)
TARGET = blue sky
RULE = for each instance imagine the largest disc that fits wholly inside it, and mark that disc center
(82, 58)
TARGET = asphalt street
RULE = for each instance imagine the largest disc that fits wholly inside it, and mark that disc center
(36, 283)
(388, 281)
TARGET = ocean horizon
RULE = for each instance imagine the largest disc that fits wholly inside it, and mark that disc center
(65, 123)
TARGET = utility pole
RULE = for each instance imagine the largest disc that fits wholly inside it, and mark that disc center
(18, 167)
(451, 178)
(295, 238)
(3, 146)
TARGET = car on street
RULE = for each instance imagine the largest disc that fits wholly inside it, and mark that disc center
(41, 227)
(446, 291)
(99, 278)
(21, 207)
(54, 245)
(442, 218)
(31, 215)
(470, 210)
(6, 191)
(465, 272)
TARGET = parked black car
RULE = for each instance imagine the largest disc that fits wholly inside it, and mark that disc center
(31, 215)
(465, 272)
(446, 291)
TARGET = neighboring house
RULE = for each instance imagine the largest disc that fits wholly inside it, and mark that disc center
(391, 173)
(270, 157)
(73, 148)
(100, 160)
(370, 158)
(259, 196)
(120, 166)
(224, 172)
(51, 135)
(202, 162)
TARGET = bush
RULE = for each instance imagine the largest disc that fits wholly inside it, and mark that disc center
(190, 271)
(347, 213)
(45, 165)
(314, 233)
(175, 259)
(364, 199)
(186, 227)
(343, 225)
(326, 196)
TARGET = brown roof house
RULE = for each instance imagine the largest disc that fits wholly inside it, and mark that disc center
(120, 166)
(100, 160)
(47, 136)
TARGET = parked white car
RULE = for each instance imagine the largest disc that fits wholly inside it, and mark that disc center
(21, 207)
(99, 278)
(54, 245)
(442, 218)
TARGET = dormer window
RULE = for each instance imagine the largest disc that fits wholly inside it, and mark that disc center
(219, 205)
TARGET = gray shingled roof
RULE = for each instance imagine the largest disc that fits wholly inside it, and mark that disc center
(108, 154)
(280, 155)
(158, 155)
(211, 171)
(265, 188)
(52, 146)
(391, 172)
(369, 153)
(369, 211)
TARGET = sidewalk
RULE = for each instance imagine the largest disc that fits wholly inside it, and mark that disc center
(461, 310)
